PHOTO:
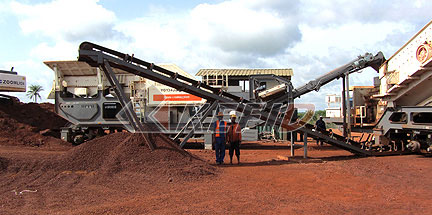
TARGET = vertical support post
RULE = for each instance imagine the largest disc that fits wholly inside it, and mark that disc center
(251, 88)
(57, 79)
(226, 80)
(348, 107)
(58, 87)
(292, 144)
(125, 102)
(202, 109)
(291, 102)
(207, 112)
(99, 79)
(343, 107)
(305, 145)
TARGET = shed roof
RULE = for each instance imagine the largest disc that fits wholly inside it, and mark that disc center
(245, 72)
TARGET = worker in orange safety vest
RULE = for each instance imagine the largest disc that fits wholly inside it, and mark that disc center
(234, 138)
(219, 137)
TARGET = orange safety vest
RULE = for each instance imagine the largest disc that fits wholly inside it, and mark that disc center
(234, 133)
(218, 128)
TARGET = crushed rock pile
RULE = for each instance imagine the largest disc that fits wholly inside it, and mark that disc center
(118, 161)
(129, 153)
(117, 154)
(29, 124)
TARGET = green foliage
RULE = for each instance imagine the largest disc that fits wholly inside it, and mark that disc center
(315, 116)
(33, 92)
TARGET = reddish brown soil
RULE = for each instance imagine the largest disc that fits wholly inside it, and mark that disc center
(118, 174)
(29, 124)
(169, 181)
(106, 168)
(125, 152)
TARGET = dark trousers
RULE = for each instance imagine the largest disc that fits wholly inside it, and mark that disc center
(234, 146)
(318, 140)
(220, 149)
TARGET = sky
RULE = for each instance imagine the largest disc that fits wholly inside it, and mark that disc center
(311, 37)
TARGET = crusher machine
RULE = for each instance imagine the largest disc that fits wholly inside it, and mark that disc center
(275, 107)
(402, 115)
(397, 110)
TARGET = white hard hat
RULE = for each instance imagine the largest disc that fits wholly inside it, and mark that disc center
(233, 113)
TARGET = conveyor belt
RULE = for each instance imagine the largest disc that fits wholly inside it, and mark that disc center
(335, 140)
(99, 56)
(361, 62)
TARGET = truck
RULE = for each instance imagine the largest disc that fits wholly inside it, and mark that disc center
(10, 81)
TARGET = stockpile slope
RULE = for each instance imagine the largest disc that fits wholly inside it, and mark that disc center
(29, 124)
(129, 153)
(96, 174)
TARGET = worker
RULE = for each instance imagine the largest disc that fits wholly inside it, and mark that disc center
(234, 138)
(331, 134)
(320, 126)
(219, 137)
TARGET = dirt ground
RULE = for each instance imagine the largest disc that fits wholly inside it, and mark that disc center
(332, 181)
(119, 174)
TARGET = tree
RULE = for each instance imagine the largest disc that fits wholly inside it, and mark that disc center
(33, 92)
(315, 116)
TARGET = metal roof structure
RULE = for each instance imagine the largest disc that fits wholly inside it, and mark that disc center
(78, 68)
(245, 72)
(74, 67)
(174, 68)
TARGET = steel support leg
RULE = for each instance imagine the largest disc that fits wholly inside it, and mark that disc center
(205, 114)
(125, 102)
(348, 107)
(292, 144)
(120, 94)
(202, 109)
(344, 129)
(305, 145)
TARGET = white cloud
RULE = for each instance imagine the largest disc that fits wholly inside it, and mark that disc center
(63, 25)
(160, 38)
(419, 3)
(235, 26)
(4, 10)
(66, 19)
(312, 37)
(60, 50)
(228, 34)
(349, 37)
(335, 12)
